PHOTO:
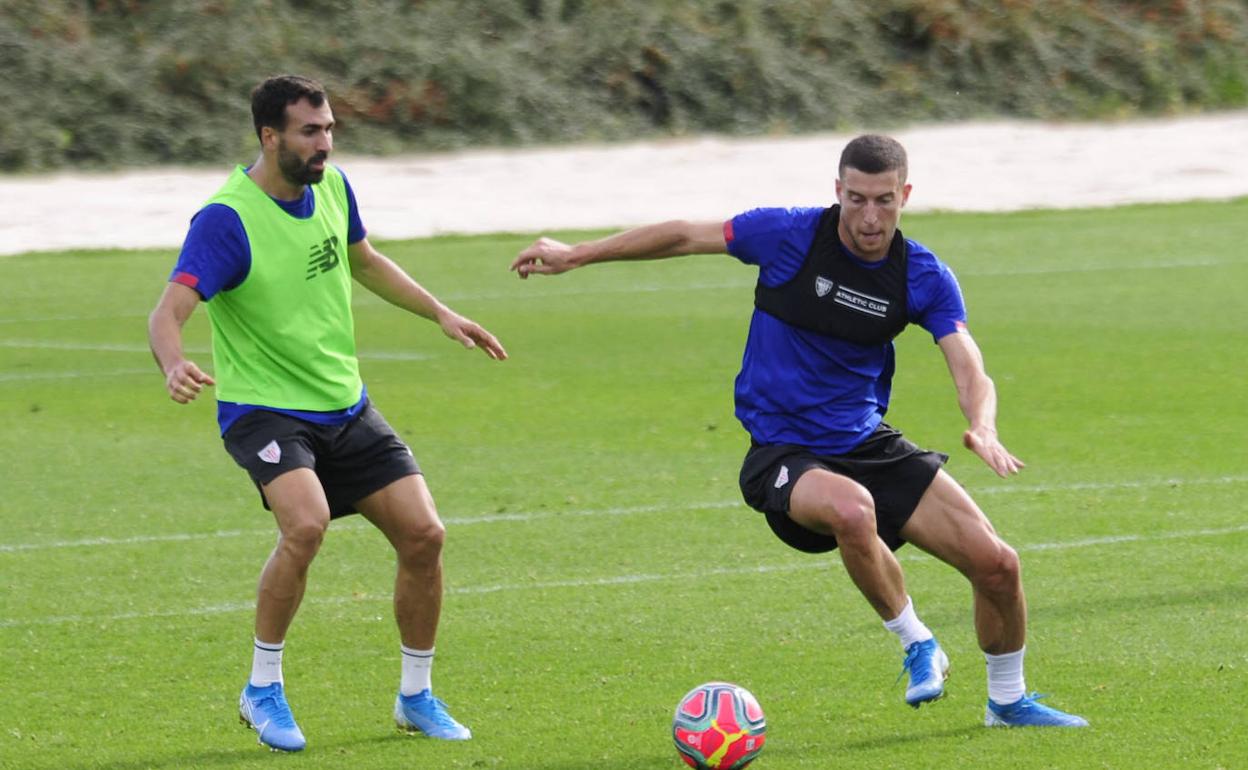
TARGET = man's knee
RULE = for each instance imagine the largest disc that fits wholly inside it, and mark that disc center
(999, 572)
(420, 541)
(302, 538)
(837, 506)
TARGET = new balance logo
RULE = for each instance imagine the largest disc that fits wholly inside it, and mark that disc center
(324, 257)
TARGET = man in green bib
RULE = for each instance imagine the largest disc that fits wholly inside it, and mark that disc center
(272, 255)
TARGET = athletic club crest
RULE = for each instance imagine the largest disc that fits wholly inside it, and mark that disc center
(823, 286)
(272, 453)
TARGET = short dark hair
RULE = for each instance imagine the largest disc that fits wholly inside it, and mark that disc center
(874, 154)
(270, 99)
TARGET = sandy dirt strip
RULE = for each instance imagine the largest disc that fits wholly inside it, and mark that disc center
(992, 166)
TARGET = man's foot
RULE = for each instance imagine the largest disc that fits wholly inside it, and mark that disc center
(264, 709)
(1027, 712)
(929, 668)
(426, 714)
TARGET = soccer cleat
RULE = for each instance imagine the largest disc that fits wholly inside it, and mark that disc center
(426, 714)
(929, 668)
(264, 709)
(1027, 712)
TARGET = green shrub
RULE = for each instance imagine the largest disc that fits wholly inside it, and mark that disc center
(120, 82)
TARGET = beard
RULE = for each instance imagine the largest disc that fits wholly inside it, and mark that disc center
(296, 170)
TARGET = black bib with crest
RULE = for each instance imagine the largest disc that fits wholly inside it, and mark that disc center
(834, 295)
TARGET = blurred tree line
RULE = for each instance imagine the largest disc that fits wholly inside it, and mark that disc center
(122, 82)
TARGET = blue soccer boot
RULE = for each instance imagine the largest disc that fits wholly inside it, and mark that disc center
(1028, 712)
(264, 709)
(426, 714)
(929, 668)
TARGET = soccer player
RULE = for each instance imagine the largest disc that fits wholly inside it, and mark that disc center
(835, 286)
(272, 255)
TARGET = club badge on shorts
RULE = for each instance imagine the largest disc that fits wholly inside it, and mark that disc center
(272, 453)
(782, 478)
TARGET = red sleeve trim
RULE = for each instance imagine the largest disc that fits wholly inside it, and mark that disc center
(728, 235)
(186, 279)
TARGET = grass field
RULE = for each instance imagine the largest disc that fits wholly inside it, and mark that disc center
(599, 560)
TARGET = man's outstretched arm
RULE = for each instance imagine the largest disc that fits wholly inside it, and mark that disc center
(666, 239)
(977, 397)
(380, 275)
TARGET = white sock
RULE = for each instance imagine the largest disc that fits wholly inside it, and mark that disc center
(1005, 677)
(417, 670)
(908, 627)
(266, 663)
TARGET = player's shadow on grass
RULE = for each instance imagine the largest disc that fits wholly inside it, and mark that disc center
(654, 761)
(219, 758)
(320, 752)
(247, 754)
(1105, 604)
(895, 741)
(1102, 605)
(665, 758)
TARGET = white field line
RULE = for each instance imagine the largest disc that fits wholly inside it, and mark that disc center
(613, 580)
(74, 375)
(355, 525)
(99, 347)
(1106, 485)
(40, 319)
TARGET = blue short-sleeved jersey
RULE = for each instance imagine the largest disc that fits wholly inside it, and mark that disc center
(216, 256)
(800, 387)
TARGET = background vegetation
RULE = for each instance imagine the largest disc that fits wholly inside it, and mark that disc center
(122, 82)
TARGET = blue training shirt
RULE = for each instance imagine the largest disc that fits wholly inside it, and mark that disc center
(216, 256)
(800, 387)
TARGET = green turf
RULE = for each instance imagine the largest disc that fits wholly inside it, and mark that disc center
(599, 562)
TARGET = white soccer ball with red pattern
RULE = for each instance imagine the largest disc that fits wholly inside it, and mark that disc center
(719, 726)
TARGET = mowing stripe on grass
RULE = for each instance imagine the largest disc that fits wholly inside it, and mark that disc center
(531, 294)
(1024, 271)
(111, 347)
(611, 580)
(74, 375)
(525, 516)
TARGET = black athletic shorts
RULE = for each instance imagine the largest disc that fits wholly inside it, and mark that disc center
(894, 471)
(352, 460)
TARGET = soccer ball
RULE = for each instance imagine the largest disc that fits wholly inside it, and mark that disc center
(719, 725)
